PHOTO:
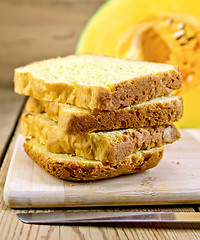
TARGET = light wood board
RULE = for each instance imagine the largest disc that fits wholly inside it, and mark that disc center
(123, 231)
(176, 180)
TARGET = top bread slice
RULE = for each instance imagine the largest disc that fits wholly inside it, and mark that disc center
(96, 82)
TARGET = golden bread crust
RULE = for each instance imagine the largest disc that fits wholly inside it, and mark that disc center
(101, 96)
(103, 146)
(75, 168)
(76, 121)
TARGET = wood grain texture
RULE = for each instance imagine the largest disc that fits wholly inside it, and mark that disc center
(35, 30)
(11, 228)
(130, 231)
(29, 186)
(10, 106)
(196, 134)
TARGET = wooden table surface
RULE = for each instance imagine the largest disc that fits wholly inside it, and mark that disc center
(15, 50)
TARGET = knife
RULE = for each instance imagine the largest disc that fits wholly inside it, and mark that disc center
(107, 217)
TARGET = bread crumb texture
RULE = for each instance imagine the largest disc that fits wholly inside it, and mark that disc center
(75, 120)
(96, 82)
(116, 144)
(74, 168)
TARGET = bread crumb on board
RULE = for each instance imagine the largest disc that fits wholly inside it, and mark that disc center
(177, 163)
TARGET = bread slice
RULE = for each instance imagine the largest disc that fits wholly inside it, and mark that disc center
(96, 82)
(75, 168)
(103, 146)
(74, 120)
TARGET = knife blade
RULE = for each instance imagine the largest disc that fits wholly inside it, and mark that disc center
(107, 217)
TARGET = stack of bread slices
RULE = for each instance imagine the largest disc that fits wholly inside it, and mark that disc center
(91, 117)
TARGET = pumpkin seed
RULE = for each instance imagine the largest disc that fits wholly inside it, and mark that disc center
(181, 26)
(179, 34)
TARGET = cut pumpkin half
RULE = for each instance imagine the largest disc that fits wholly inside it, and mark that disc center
(152, 30)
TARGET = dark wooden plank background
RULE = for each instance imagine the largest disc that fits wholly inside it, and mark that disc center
(37, 29)
(32, 30)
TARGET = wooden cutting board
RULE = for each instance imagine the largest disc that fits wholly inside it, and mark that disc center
(176, 180)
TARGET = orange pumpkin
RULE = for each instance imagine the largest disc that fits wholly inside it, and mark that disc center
(152, 30)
